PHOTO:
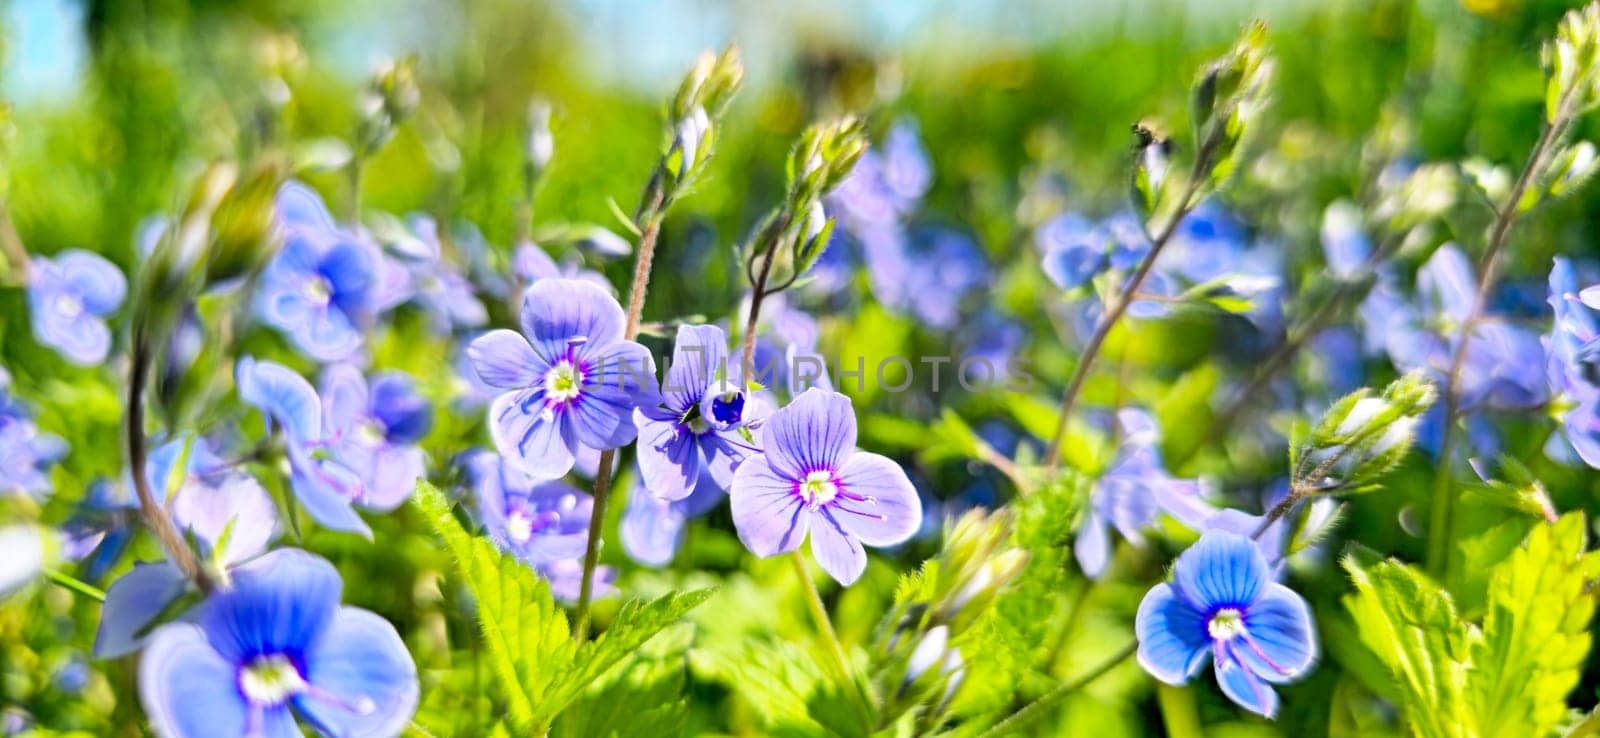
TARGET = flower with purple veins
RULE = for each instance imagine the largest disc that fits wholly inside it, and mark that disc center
(545, 524)
(703, 421)
(69, 298)
(433, 283)
(1133, 494)
(652, 528)
(1223, 605)
(811, 478)
(275, 646)
(321, 288)
(568, 380)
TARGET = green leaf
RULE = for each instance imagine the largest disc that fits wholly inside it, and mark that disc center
(1535, 636)
(1411, 625)
(540, 670)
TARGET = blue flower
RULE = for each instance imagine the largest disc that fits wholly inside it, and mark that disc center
(276, 645)
(101, 528)
(1223, 605)
(1573, 363)
(322, 287)
(703, 420)
(1132, 495)
(569, 379)
(352, 447)
(531, 264)
(434, 284)
(26, 453)
(545, 524)
(812, 479)
(69, 298)
(652, 528)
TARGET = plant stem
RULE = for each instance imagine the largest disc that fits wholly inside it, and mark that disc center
(357, 164)
(766, 244)
(11, 245)
(1442, 519)
(649, 219)
(1178, 713)
(841, 662)
(74, 584)
(1037, 709)
(1119, 305)
(154, 514)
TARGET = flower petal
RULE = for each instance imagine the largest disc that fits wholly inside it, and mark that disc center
(839, 553)
(699, 355)
(504, 359)
(766, 511)
(132, 604)
(364, 680)
(558, 311)
(1173, 642)
(280, 603)
(344, 399)
(237, 505)
(651, 528)
(188, 689)
(815, 431)
(891, 511)
(530, 436)
(97, 282)
(327, 490)
(615, 379)
(1093, 546)
(669, 457)
(283, 396)
(1222, 569)
(1280, 642)
(1242, 685)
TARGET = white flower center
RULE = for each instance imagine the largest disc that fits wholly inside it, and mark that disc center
(271, 680)
(563, 382)
(1226, 625)
(317, 290)
(819, 488)
(519, 527)
(371, 432)
(69, 305)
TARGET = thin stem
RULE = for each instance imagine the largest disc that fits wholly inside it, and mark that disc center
(1178, 713)
(1442, 521)
(357, 165)
(1119, 305)
(1284, 507)
(1037, 709)
(649, 218)
(154, 514)
(767, 243)
(841, 662)
(71, 583)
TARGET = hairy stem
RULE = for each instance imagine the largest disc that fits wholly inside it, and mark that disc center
(841, 662)
(649, 219)
(1038, 708)
(154, 513)
(1120, 302)
(1442, 520)
(766, 245)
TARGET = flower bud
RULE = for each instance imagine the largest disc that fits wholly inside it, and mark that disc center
(540, 145)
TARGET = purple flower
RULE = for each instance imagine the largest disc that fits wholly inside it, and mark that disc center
(569, 379)
(101, 528)
(812, 478)
(531, 264)
(1573, 363)
(277, 645)
(703, 420)
(352, 447)
(26, 453)
(321, 288)
(219, 506)
(435, 285)
(1223, 604)
(69, 298)
(545, 524)
(1132, 495)
(652, 528)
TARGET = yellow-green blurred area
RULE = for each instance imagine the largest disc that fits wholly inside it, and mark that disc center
(114, 104)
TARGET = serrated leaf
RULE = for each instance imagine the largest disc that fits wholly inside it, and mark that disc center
(1535, 632)
(1411, 625)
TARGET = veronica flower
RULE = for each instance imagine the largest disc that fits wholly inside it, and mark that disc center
(652, 528)
(1132, 495)
(812, 479)
(276, 645)
(373, 430)
(1223, 605)
(321, 288)
(1573, 363)
(324, 484)
(569, 379)
(434, 284)
(786, 347)
(531, 264)
(887, 182)
(26, 453)
(545, 524)
(703, 420)
(69, 298)
(226, 512)
(101, 528)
